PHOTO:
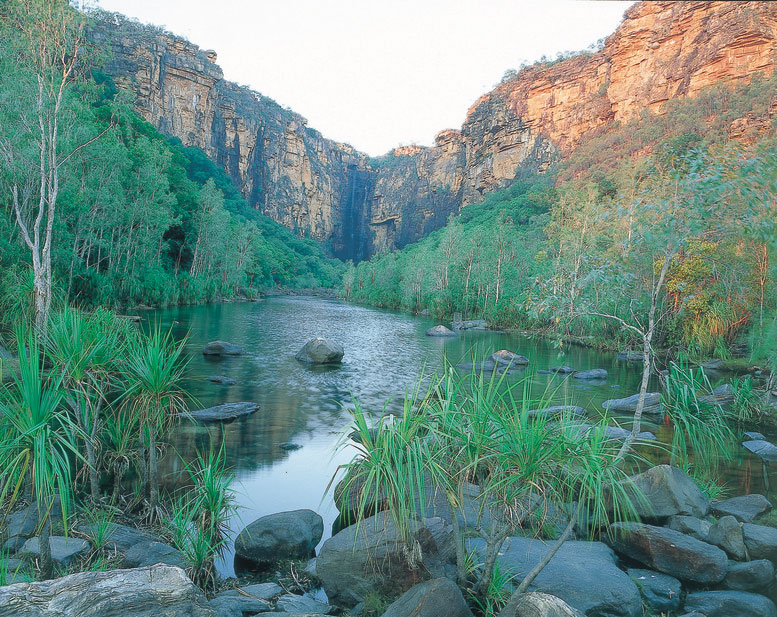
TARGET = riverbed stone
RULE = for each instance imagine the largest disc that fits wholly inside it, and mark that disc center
(760, 447)
(761, 541)
(291, 603)
(506, 357)
(116, 536)
(14, 544)
(745, 508)
(538, 604)
(753, 435)
(440, 330)
(594, 374)
(670, 552)
(157, 591)
(321, 351)
(662, 593)
(727, 534)
(664, 491)
(730, 604)
(371, 557)
(652, 406)
(222, 348)
(222, 413)
(562, 370)
(690, 525)
(440, 597)
(284, 535)
(64, 551)
(237, 605)
(583, 574)
(151, 553)
(221, 380)
(263, 591)
(749, 575)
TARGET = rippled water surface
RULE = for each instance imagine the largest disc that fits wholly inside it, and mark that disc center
(385, 354)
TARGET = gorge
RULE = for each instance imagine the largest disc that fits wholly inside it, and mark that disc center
(360, 206)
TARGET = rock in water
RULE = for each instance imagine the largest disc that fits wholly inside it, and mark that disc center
(156, 591)
(583, 574)
(440, 597)
(440, 331)
(652, 405)
(766, 450)
(321, 351)
(221, 348)
(730, 604)
(594, 374)
(664, 491)
(222, 413)
(506, 358)
(285, 535)
(536, 604)
(221, 380)
(670, 552)
(372, 557)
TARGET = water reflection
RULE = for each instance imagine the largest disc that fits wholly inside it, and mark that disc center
(385, 354)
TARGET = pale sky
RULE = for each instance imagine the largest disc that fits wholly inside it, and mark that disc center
(377, 74)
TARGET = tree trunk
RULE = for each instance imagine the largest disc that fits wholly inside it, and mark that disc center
(153, 479)
(46, 562)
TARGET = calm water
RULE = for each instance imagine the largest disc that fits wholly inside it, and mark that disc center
(385, 354)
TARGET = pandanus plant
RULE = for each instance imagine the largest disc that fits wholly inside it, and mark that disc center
(37, 442)
(154, 370)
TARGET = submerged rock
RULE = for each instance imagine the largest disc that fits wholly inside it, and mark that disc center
(669, 551)
(594, 374)
(222, 348)
(221, 380)
(440, 597)
(156, 591)
(440, 330)
(321, 351)
(284, 535)
(222, 413)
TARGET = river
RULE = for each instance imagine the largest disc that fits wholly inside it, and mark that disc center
(385, 354)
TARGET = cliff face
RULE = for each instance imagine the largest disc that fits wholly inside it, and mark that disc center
(317, 187)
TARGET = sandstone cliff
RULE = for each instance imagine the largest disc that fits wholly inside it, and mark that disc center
(661, 51)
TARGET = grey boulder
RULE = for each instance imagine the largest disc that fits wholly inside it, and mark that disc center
(745, 508)
(661, 591)
(538, 604)
(664, 491)
(291, 603)
(730, 604)
(440, 330)
(690, 525)
(594, 374)
(651, 407)
(439, 597)
(284, 535)
(222, 413)
(151, 553)
(64, 551)
(761, 541)
(157, 591)
(727, 534)
(237, 605)
(116, 536)
(669, 551)
(749, 575)
(321, 351)
(583, 574)
(222, 348)
(766, 450)
(505, 357)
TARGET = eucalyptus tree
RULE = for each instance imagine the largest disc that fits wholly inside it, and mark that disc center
(40, 65)
(37, 442)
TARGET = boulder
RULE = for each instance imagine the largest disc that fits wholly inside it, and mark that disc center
(237, 605)
(745, 508)
(562, 370)
(222, 413)
(116, 536)
(221, 380)
(652, 407)
(221, 348)
(691, 526)
(504, 357)
(64, 551)
(749, 576)
(157, 591)
(664, 491)
(766, 450)
(593, 374)
(753, 435)
(583, 574)
(662, 592)
(284, 535)
(669, 551)
(291, 603)
(727, 534)
(14, 544)
(151, 553)
(371, 557)
(537, 604)
(761, 541)
(321, 351)
(440, 331)
(730, 604)
(24, 522)
(262, 591)
(439, 597)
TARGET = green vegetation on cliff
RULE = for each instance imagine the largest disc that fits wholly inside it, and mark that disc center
(580, 251)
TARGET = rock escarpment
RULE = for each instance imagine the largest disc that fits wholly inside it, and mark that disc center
(360, 206)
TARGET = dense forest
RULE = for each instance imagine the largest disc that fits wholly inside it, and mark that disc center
(667, 212)
(125, 214)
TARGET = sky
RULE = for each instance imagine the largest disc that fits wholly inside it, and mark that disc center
(378, 73)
